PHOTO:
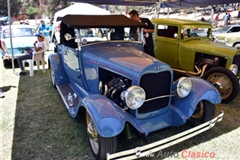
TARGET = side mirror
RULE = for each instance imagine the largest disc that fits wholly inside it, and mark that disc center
(68, 37)
(175, 35)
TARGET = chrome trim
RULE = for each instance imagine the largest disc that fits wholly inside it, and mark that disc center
(164, 96)
(148, 149)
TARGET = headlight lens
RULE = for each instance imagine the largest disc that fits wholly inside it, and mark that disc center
(134, 97)
(234, 69)
(184, 87)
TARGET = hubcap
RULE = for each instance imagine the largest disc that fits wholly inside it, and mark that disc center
(237, 46)
(222, 83)
(92, 134)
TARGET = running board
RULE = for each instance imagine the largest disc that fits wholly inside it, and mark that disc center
(64, 90)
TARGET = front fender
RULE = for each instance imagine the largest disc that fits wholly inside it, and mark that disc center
(109, 119)
(58, 69)
(183, 108)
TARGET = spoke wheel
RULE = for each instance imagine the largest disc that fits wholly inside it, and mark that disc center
(204, 112)
(52, 77)
(225, 82)
(100, 146)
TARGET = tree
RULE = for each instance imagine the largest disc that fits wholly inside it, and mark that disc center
(31, 11)
(52, 6)
(14, 7)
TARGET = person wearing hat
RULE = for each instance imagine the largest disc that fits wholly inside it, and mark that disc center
(38, 45)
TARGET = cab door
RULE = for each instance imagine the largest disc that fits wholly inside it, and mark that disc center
(166, 44)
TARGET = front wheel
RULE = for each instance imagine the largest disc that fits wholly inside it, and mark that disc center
(225, 82)
(204, 112)
(100, 146)
(237, 45)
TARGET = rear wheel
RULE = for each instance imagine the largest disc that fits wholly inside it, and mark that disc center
(204, 112)
(100, 146)
(225, 82)
(52, 77)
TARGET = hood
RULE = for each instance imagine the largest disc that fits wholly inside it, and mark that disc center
(126, 57)
(209, 47)
(222, 36)
(20, 42)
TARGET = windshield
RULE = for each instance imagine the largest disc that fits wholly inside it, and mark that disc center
(19, 32)
(91, 35)
(224, 29)
(195, 32)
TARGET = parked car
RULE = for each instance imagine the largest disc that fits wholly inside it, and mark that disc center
(226, 29)
(121, 89)
(186, 45)
(229, 39)
(22, 36)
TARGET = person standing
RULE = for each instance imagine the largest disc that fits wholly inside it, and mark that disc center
(225, 19)
(147, 31)
(216, 20)
(3, 47)
(45, 29)
(39, 45)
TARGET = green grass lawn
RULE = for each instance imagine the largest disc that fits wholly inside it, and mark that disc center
(35, 125)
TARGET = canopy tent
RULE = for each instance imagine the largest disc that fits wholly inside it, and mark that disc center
(80, 9)
(119, 2)
(167, 3)
(194, 3)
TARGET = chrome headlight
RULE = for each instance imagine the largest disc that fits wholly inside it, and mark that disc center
(234, 68)
(184, 87)
(134, 97)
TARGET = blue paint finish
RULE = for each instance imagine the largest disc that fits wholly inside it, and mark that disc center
(201, 90)
(57, 67)
(127, 60)
(107, 115)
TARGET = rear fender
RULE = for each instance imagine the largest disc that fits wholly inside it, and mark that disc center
(58, 69)
(183, 108)
(109, 119)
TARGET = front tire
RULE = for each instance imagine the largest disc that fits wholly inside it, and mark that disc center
(204, 112)
(237, 45)
(225, 82)
(100, 146)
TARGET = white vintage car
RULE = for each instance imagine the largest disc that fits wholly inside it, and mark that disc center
(23, 36)
(229, 39)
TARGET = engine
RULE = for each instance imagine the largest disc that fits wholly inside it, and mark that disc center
(211, 61)
(113, 86)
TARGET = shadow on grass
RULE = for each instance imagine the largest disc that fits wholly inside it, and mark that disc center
(44, 129)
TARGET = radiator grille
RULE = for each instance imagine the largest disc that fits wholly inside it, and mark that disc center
(236, 61)
(156, 84)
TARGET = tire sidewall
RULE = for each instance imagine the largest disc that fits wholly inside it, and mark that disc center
(232, 78)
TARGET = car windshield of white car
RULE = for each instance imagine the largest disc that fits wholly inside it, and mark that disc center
(19, 32)
(195, 32)
(224, 29)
